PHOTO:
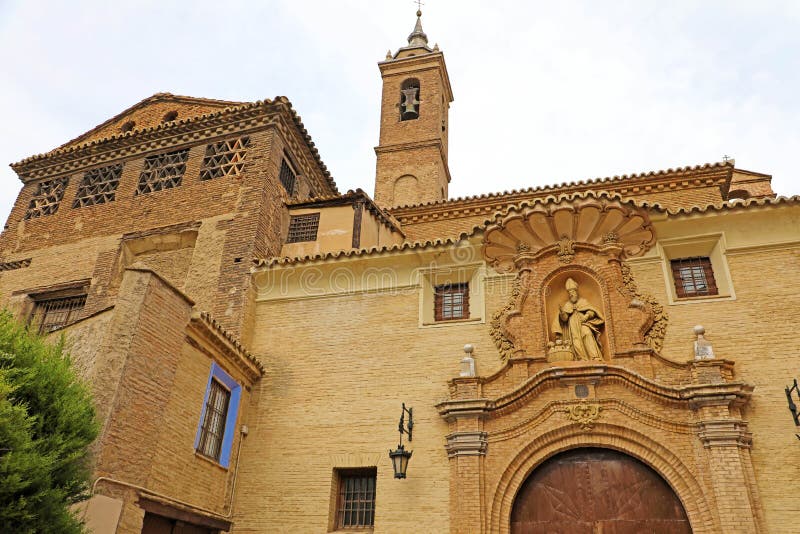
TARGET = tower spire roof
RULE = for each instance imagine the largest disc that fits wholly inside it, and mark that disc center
(418, 37)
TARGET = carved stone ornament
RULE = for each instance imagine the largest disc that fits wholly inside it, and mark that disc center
(504, 343)
(655, 333)
(563, 223)
(566, 250)
(584, 414)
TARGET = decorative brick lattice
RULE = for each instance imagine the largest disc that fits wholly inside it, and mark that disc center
(98, 186)
(47, 197)
(303, 228)
(162, 171)
(225, 158)
(12, 265)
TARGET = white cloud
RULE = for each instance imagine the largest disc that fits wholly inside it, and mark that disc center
(545, 91)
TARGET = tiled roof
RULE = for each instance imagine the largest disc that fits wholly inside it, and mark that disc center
(265, 263)
(278, 102)
(158, 97)
(736, 204)
(261, 263)
(565, 186)
(212, 324)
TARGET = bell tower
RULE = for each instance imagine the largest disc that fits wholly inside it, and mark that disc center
(412, 153)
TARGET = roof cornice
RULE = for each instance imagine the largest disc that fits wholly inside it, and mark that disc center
(227, 344)
(709, 174)
(237, 119)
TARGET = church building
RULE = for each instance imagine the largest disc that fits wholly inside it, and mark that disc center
(603, 356)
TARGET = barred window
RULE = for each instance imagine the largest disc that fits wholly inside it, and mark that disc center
(451, 301)
(693, 277)
(303, 228)
(54, 313)
(288, 177)
(213, 427)
(225, 158)
(47, 197)
(98, 186)
(162, 171)
(356, 498)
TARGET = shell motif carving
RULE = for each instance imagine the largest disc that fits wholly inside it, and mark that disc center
(560, 223)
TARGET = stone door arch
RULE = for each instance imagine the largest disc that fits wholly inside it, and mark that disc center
(594, 491)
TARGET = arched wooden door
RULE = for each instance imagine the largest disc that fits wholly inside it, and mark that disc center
(596, 491)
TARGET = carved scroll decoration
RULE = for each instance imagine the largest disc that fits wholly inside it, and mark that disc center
(504, 344)
(654, 336)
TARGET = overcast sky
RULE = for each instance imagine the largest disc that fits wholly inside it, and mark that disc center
(545, 92)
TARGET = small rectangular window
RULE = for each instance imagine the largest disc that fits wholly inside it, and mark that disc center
(288, 177)
(213, 426)
(98, 186)
(693, 277)
(451, 301)
(162, 171)
(225, 158)
(356, 498)
(46, 199)
(50, 314)
(303, 228)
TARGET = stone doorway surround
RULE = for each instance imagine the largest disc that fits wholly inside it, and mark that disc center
(683, 419)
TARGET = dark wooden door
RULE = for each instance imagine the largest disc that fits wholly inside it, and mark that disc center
(596, 491)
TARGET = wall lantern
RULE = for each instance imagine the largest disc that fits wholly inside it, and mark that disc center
(401, 456)
(792, 405)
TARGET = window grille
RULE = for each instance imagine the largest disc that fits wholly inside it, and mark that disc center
(213, 428)
(356, 503)
(693, 277)
(47, 197)
(288, 178)
(451, 301)
(225, 158)
(52, 314)
(98, 186)
(162, 171)
(303, 228)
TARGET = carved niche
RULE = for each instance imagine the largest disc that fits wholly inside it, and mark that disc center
(574, 298)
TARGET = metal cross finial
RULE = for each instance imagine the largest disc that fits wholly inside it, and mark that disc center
(726, 158)
(419, 5)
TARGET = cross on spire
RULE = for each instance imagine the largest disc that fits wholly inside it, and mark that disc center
(419, 5)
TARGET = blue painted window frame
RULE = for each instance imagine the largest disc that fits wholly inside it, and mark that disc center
(217, 373)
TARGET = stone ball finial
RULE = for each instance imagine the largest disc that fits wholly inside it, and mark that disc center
(699, 330)
(468, 348)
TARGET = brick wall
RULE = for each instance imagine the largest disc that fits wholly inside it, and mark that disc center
(333, 393)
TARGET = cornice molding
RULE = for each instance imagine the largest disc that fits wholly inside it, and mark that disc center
(708, 175)
(228, 346)
(692, 395)
(234, 120)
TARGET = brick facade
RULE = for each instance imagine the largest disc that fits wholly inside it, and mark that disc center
(325, 339)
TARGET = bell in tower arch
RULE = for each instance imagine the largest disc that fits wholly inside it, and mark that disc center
(409, 99)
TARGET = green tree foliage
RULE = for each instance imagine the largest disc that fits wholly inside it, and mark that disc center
(47, 422)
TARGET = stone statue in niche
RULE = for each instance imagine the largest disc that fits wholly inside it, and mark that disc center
(576, 329)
